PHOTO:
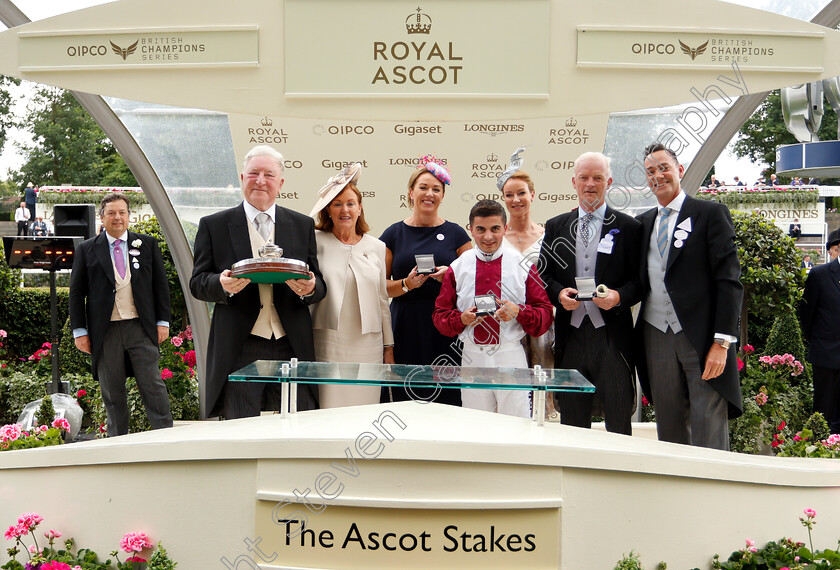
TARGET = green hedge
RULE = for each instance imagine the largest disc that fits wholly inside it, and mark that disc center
(25, 316)
(760, 196)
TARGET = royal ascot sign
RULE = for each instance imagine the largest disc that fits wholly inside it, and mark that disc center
(603, 46)
(424, 51)
(234, 46)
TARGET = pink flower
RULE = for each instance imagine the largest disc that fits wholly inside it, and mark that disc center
(81, 393)
(833, 439)
(10, 432)
(15, 531)
(751, 545)
(52, 534)
(189, 358)
(135, 542)
(56, 566)
(61, 423)
(761, 398)
(135, 559)
(188, 332)
(740, 364)
(177, 341)
(797, 438)
(30, 520)
(34, 549)
(165, 374)
(3, 334)
(748, 349)
(810, 513)
(46, 345)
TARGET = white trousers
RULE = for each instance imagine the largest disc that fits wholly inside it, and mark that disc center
(509, 402)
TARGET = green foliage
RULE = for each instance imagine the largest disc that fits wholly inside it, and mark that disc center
(734, 197)
(46, 412)
(765, 131)
(632, 562)
(68, 146)
(51, 436)
(160, 560)
(71, 359)
(16, 390)
(5, 103)
(818, 426)
(9, 278)
(25, 316)
(771, 271)
(786, 337)
(85, 196)
(151, 227)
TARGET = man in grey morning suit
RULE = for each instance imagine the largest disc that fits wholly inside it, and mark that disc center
(594, 337)
(689, 317)
(119, 312)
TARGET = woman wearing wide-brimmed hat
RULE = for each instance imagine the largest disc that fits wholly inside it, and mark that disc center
(424, 232)
(353, 322)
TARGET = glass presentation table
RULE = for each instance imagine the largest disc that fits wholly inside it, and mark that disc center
(537, 380)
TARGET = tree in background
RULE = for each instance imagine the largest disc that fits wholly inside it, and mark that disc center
(6, 121)
(765, 131)
(69, 147)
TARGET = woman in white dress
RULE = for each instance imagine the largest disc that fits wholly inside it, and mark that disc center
(526, 236)
(353, 322)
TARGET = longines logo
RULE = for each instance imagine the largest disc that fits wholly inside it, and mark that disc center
(492, 129)
(416, 70)
(319, 130)
(267, 133)
(152, 49)
(415, 161)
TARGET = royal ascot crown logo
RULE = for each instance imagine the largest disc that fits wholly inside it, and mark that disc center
(267, 133)
(569, 134)
(421, 25)
(694, 52)
(424, 62)
(491, 168)
(124, 52)
(492, 157)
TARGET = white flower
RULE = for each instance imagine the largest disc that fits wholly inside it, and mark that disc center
(136, 243)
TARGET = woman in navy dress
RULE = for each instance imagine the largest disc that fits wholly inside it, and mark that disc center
(416, 340)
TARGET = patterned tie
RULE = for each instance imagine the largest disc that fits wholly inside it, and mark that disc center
(662, 235)
(264, 225)
(119, 260)
(585, 228)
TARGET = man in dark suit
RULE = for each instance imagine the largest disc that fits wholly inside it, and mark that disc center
(30, 196)
(255, 321)
(594, 337)
(119, 312)
(689, 318)
(819, 313)
(795, 229)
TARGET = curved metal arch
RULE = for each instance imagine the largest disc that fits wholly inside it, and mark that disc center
(145, 174)
(738, 114)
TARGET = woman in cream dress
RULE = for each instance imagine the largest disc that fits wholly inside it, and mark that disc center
(353, 322)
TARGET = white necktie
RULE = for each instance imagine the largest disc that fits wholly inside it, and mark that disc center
(264, 225)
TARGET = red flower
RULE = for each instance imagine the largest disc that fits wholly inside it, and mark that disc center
(740, 364)
(781, 426)
(776, 443)
(165, 374)
(645, 401)
(81, 393)
(748, 349)
(189, 358)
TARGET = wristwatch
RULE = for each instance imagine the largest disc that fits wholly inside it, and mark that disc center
(723, 342)
(404, 286)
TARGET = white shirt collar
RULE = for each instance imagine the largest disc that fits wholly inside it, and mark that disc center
(599, 212)
(676, 204)
(251, 212)
(111, 239)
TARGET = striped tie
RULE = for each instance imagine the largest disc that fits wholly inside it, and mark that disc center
(662, 236)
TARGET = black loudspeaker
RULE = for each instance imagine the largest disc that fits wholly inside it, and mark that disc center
(74, 220)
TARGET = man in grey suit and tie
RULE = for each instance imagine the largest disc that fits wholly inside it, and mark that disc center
(594, 336)
(119, 312)
(689, 316)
